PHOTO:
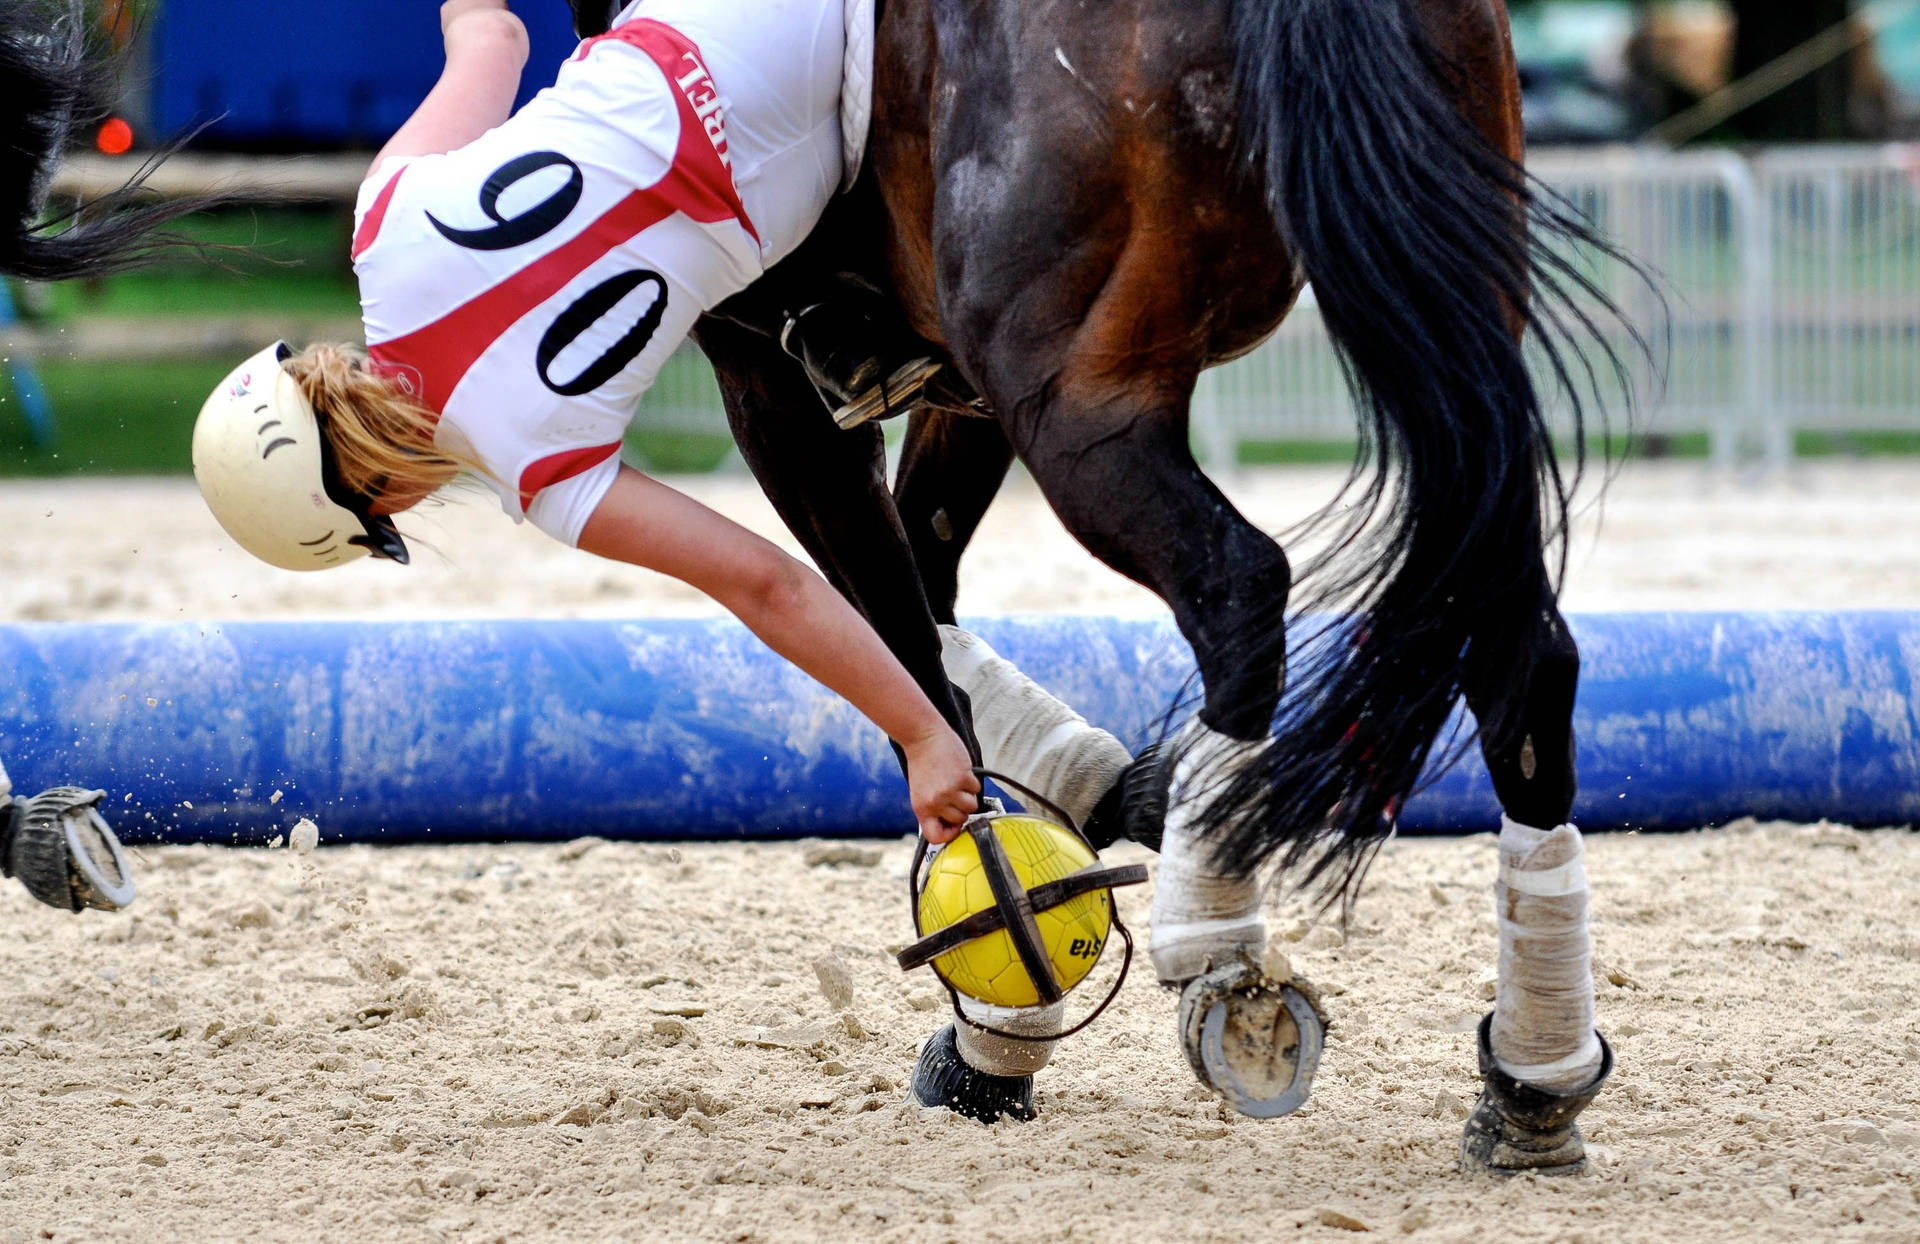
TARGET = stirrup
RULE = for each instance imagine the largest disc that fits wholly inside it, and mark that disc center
(891, 396)
(855, 382)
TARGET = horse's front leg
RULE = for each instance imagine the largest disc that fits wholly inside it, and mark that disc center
(950, 469)
(1109, 448)
(830, 488)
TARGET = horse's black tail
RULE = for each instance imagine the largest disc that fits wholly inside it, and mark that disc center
(53, 86)
(1427, 251)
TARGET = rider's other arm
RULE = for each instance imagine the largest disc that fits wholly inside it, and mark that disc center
(486, 50)
(646, 523)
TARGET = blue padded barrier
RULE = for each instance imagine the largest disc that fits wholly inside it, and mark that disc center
(437, 731)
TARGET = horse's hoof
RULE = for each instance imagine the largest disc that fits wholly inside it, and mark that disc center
(1136, 806)
(63, 851)
(943, 1078)
(1516, 1129)
(1254, 1041)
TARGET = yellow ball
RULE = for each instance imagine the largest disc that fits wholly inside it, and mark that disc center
(989, 968)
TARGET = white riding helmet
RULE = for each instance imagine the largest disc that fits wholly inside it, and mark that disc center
(268, 474)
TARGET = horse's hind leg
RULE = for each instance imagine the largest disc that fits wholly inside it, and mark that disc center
(1121, 477)
(1541, 1059)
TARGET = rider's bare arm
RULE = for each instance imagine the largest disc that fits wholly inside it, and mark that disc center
(792, 609)
(486, 50)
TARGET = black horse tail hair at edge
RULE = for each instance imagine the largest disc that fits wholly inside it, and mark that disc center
(1428, 249)
(57, 84)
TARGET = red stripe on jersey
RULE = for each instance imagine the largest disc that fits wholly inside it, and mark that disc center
(697, 185)
(555, 468)
(679, 59)
(369, 229)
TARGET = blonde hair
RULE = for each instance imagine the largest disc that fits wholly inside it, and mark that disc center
(382, 438)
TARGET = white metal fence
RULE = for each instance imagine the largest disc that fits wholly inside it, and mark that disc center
(1791, 281)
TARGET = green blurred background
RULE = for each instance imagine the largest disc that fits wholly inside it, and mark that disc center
(1596, 71)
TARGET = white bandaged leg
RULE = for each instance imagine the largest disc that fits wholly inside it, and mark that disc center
(1002, 1056)
(1201, 919)
(1029, 735)
(1543, 1032)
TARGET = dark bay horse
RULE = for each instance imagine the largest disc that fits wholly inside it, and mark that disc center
(1084, 205)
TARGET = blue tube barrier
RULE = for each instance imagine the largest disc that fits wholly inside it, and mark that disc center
(549, 730)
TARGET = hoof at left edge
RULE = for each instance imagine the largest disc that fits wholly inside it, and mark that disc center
(63, 851)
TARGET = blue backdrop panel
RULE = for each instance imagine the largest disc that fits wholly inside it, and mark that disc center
(653, 729)
(342, 73)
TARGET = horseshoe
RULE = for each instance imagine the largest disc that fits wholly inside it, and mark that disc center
(1254, 1041)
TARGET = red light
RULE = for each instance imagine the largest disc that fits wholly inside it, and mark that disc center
(116, 137)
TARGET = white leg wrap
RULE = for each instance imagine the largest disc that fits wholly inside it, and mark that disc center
(1543, 1032)
(6, 785)
(1029, 735)
(1201, 919)
(1000, 1056)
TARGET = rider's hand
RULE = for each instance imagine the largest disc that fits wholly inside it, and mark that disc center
(941, 782)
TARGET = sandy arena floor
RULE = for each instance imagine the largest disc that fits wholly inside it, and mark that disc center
(606, 1040)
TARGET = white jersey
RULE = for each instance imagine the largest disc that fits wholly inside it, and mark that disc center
(529, 286)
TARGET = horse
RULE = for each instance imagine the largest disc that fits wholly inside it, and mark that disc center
(1079, 208)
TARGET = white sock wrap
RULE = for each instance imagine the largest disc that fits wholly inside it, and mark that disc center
(1000, 1056)
(1029, 735)
(1201, 919)
(1543, 1032)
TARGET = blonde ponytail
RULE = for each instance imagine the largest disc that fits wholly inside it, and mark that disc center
(382, 439)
